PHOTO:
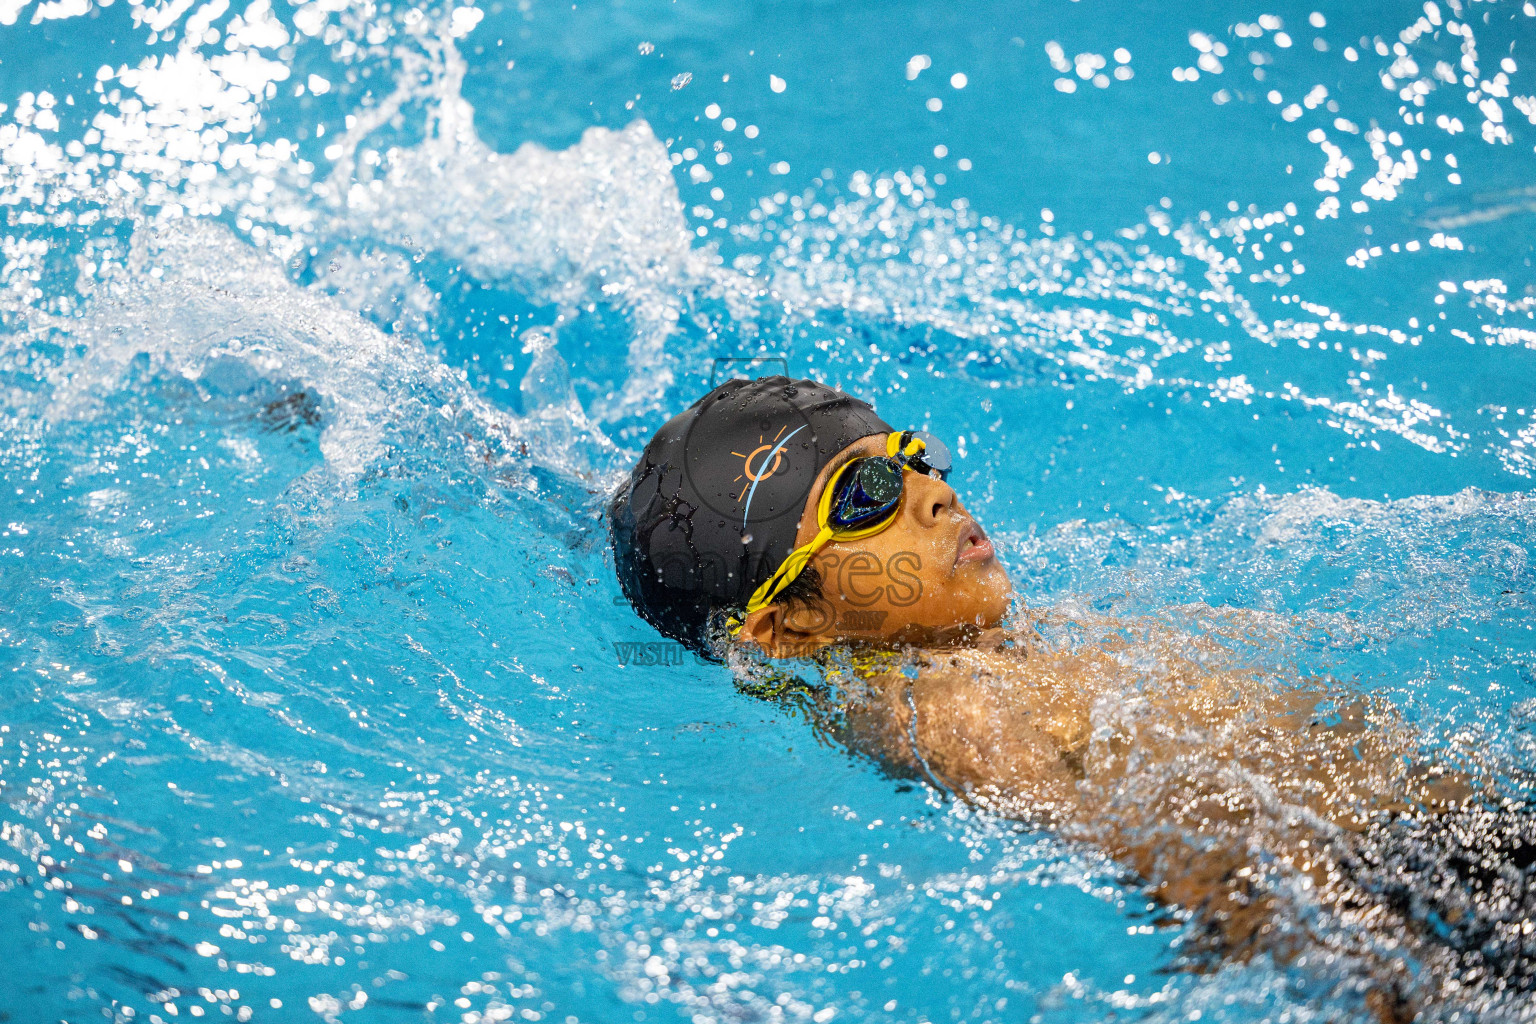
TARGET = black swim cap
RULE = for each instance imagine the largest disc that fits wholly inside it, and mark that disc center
(714, 505)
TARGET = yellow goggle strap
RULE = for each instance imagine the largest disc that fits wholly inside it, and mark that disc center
(763, 596)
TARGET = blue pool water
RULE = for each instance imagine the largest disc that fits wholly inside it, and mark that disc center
(328, 326)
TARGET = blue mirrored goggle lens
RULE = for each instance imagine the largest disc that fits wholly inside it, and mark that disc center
(866, 490)
(879, 481)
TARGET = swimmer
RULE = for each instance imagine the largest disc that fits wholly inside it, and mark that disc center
(785, 528)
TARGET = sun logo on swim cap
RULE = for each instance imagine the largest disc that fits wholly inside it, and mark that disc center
(769, 456)
(764, 469)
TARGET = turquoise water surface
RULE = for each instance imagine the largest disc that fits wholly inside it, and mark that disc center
(326, 328)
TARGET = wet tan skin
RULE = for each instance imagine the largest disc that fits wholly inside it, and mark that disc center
(1205, 778)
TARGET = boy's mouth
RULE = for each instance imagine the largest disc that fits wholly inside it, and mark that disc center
(973, 545)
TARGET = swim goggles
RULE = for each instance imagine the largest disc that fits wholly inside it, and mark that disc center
(859, 501)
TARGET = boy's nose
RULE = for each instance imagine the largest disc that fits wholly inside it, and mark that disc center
(930, 498)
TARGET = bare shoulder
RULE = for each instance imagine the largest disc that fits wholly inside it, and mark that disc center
(971, 720)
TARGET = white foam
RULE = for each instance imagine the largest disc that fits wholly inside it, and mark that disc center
(202, 304)
(196, 300)
(1299, 515)
(601, 219)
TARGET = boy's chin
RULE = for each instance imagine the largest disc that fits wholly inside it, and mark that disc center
(994, 597)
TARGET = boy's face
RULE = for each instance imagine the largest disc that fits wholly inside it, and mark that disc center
(929, 577)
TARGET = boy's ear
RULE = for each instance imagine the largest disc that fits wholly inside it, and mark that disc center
(770, 628)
